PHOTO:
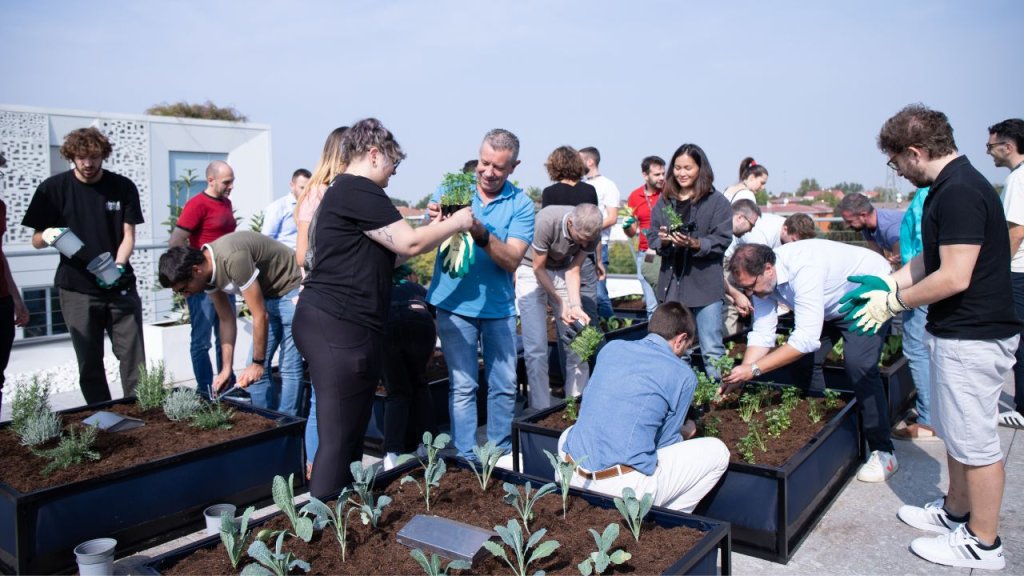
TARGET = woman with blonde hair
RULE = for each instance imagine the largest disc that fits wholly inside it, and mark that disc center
(329, 166)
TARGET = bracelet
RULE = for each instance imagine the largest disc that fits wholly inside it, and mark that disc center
(899, 300)
(260, 361)
(484, 239)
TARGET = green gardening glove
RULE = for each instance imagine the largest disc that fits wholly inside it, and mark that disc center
(853, 299)
(628, 222)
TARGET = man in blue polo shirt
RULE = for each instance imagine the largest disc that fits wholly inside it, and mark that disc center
(478, 309)
(629, 434)
(881, 228)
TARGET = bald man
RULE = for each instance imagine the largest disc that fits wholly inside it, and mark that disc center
(206, 217)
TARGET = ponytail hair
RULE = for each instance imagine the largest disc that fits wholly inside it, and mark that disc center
(749, 167)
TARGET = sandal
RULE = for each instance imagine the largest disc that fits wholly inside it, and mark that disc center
(916, 433)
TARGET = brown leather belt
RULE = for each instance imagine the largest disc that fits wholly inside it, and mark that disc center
(614, 471)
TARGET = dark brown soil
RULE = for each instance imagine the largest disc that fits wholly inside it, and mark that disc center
(732, 428)
(460, 498)
(159, 438)
(629, 304)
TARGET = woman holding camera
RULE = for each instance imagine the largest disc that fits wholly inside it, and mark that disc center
(691, 226)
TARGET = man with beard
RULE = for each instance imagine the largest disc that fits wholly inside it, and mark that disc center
(641, 201)
(881, 228)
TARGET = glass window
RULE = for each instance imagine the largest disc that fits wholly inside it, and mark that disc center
(45, 316)
(57, 163)
(188, 174)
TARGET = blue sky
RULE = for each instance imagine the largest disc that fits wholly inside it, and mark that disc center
(803, 87)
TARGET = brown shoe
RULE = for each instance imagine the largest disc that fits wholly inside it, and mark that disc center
(916, 433)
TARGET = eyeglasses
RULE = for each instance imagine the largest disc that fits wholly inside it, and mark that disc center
(991, 145)
(892, 163)
(748, 288)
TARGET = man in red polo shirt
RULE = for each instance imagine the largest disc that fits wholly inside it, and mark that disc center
(641, 202)
(205, 218)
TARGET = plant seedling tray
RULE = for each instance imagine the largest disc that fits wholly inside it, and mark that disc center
(146, 504)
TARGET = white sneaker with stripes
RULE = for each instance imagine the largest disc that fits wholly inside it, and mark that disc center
(959, 548)
(1011, 419)
(931, 517)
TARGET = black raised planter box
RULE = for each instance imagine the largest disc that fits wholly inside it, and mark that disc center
(374, 439)
(145, 504)
(771, 508)
(705, 557)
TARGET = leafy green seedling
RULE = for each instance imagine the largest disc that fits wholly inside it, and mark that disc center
(524, 504)
(673, 222)
(814, 413)
(434, 468)
(284, 498)
(323, 517)
(778, 421)
(586, 342)
(600, 560)
(512, 536)
(39, 427)
(74, 448)
(572, 409)
(30, 399)
(151, 391)
(458, 189)
(370, 510)
(276, 563)
(564, 470)
(182, 404)
(633, 510)
(751, 441)
(831, 399)
(432, 566)
(212, 416)
(749, 403)
(488, 456)
(711, 424)
(790, 397)
(234, 535)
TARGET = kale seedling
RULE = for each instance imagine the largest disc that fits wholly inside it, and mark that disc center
(276, 563)
(586, 342)
(74, 448)
(512, 536)
(564, 470)
(633, 510)
(323, 517)
(600, 560)
(488, 455)
(524, 504)
(284, 498)
(233, 535)
(433, 566)
(362, 483)
(434, 468)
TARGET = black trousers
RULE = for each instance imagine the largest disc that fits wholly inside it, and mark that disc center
(345, 366)
(6, 338)
(409, 408)
(860, 358)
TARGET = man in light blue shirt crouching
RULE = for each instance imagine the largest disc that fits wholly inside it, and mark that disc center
(629, 429)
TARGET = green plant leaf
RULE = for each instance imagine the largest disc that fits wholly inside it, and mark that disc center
(495, 549)
(543, 550)
(620, 556)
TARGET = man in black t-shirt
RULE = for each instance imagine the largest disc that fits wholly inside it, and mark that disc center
(101, 208)
(972, 332)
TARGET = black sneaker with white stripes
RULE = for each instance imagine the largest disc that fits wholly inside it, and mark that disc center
(931, 517)
(960, 548)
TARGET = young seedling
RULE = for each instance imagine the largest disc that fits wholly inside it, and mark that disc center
(323, 517)
(790, 397)
(182, 404)
(673, 222)
(512, 536)
(778, 421)
(362, 483)
(39, 428)
(563, 473)
(284, 498)
(706, 392)
(831, 399)
(524, 504)
(749, 404)
(586, 342)
(276, 563)
(29, 400)
(814, 413)
(600, 560)
(711, 424)
(488, 455)
(151, 390)
(233, 535)
(432, 566)
(74, 448)
(458, 189)
(434, 468)
(572, 409)
(751, 441)
(633, 510)
(213, 415)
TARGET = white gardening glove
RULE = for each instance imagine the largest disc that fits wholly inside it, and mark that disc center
(50, 235)
(879, 306)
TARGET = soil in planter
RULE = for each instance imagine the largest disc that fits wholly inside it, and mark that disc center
(158, 439)
(460, 498)
(629, 304)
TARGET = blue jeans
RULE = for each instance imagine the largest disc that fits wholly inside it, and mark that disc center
(650, 300)
(312, 440)
(709, 332)
(459, 338)
(204, 318)
(280, 312)
(916, 352)
(604, 303)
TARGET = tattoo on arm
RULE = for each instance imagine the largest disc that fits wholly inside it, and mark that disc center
(385, 234)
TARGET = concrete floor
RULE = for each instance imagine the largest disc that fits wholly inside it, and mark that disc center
(859, 534)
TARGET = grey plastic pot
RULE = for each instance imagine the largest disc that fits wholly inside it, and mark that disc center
(96, 557)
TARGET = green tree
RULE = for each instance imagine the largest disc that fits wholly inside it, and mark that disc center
(399, 202)
(762, 197)
(535, 193)
(422, 204)
(205, 111)
(806, 185)
(849, 187)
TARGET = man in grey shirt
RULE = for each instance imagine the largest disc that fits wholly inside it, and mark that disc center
(550, 274)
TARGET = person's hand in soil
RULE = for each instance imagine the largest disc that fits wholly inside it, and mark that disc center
(735, 378)
(689, 429)
(251, 374)
(464, 219)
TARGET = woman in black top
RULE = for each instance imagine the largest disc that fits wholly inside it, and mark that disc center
(339, 321)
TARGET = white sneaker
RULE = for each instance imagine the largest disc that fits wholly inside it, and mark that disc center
(1011, 419)
(931, 517)
(390, 461)
(959, 548)
(504, 462)
(879, 467)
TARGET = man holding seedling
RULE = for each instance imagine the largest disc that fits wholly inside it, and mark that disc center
(629, 431)
(972, 332)
(476, 310)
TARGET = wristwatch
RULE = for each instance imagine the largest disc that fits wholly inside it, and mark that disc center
(755, 371)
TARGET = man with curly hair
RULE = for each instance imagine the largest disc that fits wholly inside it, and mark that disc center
(101, 208)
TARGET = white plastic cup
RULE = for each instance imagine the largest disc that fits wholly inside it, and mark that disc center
(104, 268)
(213, 514)
(67, 243)
(96, 557)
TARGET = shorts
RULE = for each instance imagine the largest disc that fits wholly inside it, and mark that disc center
(967, 378)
